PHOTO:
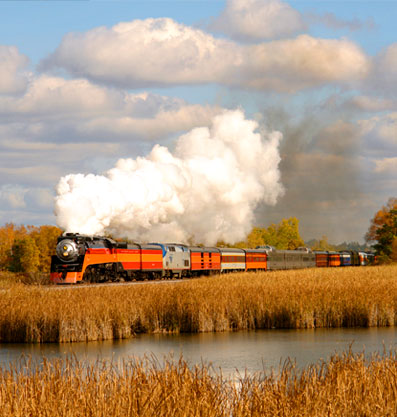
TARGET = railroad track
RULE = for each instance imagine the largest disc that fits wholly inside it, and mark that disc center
(118, 284)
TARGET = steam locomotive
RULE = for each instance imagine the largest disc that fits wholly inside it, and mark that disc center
(82, 258)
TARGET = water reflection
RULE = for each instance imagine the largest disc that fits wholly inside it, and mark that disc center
(252, 351)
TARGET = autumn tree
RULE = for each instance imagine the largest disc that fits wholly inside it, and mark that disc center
(322, 244)
(284, 235)
(26, 255)
(383, 231)
(27, 248)
(45, 238)
(8, 235)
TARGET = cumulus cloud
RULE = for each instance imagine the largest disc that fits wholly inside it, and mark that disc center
(55, 109)
(153, 52)
(19, 197)
(384, 75)
(291, 65)
(13, 75)
(379, 134)
(12, 197)
(386, 165)
(334, 22)
(253, 20)
(145, 52)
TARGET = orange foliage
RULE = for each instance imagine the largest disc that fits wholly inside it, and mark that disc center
(381, 218)
(27, 249)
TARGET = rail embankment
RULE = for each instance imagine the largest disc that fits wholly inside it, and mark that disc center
(346, 385)
(312, 298)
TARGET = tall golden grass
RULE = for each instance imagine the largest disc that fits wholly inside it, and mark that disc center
(340, 297)
(346, 385)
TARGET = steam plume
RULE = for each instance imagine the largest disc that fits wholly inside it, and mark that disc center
(206, 190)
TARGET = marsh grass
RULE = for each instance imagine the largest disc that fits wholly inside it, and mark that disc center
(340, 297)
(8, 279)
(346, 385)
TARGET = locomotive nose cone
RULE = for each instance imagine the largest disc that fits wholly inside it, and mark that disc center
(67, 250)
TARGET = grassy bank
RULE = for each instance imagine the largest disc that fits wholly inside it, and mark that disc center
(347, 385)
(363, 296)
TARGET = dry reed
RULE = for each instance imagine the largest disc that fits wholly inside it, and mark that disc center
(347, 385)
(340, 297)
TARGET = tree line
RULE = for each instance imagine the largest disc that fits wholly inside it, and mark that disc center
(27, 249)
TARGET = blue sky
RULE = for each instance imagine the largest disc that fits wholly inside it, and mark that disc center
(75, 98)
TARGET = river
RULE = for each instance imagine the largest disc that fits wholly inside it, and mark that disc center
(250, 351)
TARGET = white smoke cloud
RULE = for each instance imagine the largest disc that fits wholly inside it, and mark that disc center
(204, 191)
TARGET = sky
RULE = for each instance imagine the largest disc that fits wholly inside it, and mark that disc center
(85, 83)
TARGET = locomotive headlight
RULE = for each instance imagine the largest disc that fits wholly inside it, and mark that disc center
(67, 250)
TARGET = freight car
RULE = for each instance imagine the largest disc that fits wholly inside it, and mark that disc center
(81, 258)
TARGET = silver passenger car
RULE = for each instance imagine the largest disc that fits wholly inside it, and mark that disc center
(290, 259)
(176, 259)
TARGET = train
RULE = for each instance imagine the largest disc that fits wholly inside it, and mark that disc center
(83, 258)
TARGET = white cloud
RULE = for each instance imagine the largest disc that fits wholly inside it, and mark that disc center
(291, 65)
(380, 134)
(60, 126)
(258, 20)
(383, 77)
(12, 197)
(154, 52)
(54, 109)
(145, 52)
(386, 165)
(334, 22)
(13, 79)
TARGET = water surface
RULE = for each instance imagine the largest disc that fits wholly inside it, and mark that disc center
(250, 351)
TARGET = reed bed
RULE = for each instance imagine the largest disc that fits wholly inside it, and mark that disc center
(346, 385)
(312, 298)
